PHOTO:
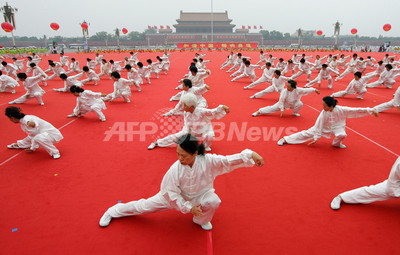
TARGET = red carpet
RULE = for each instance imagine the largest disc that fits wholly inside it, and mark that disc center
(53, 206)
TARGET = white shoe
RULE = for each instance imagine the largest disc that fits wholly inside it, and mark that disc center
(341, 146)
(56, 156)
(13, 91)
(255, 114)
(359, 97)
(207, 148)
(246, 87)
(41, 103)
(207, 226)
(103, 119)
(128, 101)
(252, 97)
(281, 142)
(335, 204)
(72, 115)
(177, 88)
(12, 102)
(152, 146)
(105, 220)
(296, 114)
(13, 146)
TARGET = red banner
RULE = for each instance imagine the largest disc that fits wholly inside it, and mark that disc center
(216, 45)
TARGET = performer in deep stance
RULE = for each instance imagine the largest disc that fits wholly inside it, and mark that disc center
(188, 186)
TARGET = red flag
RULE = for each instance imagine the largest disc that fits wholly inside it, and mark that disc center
(243, 27)
(255, 27)
(248, 27)
(161, 27)
(155, 27)
(149, 27)
(261, 27)
(168, 27)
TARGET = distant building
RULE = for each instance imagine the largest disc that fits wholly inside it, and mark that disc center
(200, 22)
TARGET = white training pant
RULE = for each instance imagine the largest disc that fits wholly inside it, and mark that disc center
(346, 72)
(274, 108)
(367, 194)
(95, 79)
(307, 135)
(124, 95)
(343, 92)
(252, 76)
(233, 67)
(318, 79)
(389, 84)
(385, 106)
(43, 140)
(209, 204)
(259, 81)
(264, 92)
(299, 73)
(28, 97)
(169, 140)
(96, 108)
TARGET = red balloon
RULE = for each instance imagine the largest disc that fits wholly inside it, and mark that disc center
(124, 30)
(84, 26)
(54, 26)
(354, 31)
(7, 27)
(387, 27)
(319, 32)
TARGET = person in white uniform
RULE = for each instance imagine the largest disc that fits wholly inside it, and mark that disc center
(388, 189)
(64, 61)
(277, 84)
(248, 71)
(265, 77)
(122, 88)
(19, 64)
(56, 68)
(36, 70)
(188, 185)
(304, 68)
(331, 121)
(90, 75)
(87, 101)
(351, 67)
(386, 78)
(74, 67)
(9, 69)
(394, 103)
(144, 72)
(197, 121)
(33, 90)
(197, 77)
(104, 69)
(324, 74)
(356, 86)
(69, 82)
(289, 99)
(7, 83)
(40, 132)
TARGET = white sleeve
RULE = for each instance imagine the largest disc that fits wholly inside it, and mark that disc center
(225, 164)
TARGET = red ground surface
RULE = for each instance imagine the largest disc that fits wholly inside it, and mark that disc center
(281, 208)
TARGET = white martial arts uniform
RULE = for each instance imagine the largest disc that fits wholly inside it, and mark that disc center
(280, 65)
(318, 63)
(265, 77)
(154, 69)
(88, 101)
(197, 91)
(33, 90)
(386, 79)
(91, 64)
(355, 87)
(304, 68)
(289, 66)
(98, 59)
(42, 135)
(64, 61)
(197, 124)
(19, 64)
(330, 59)
(134, 76)
(57, 70)
(29, 68)
(7, 83)
(237, 63)
(370, 62)
(91, 76)
(351, 68)
(386, 60)
(276, 86)
(271, 60)
(184, 187)
(115, 67)
(74, 67)
(323, 75)
(134, 58)
(144, 73)
(229, 61)
(70, 81)
(395, 102)
(248, 72)
(9, 69)
(197, 79)
(263, 58)
(288, 100)
(122, 88)
(165, 62)
(329, 123)
(388, 189)
(238, 71)
(104, 69)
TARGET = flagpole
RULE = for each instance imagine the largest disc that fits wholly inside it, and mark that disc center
(212, 23)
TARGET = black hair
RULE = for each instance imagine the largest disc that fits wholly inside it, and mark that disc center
(281, 59)
(1, 73)
(52, 64)
(330, 101)
(389, 66)
(201, 59)
(88, 60)
(290, 61)
(268, 64)
(302, 60)
(14, 59)
(30, 58)
(128, 67)
(131, 52)
(111, 61)
(116, 75)
(104, 60)
(240, 54)
(75, 88)
(73, 59)
(380, 62)
(32, 64)
(139, 64)
(63, 76)
(85, 68)
(190, 144)
(14, 112)
(193, 69)
(149, 61)
(50, 61)
(261, 51)
(292, 83)
(247, 62)
(187, 83)
(22, 76)
(361, 58)
(355, 55)
(278, 72)
(358, 74)
(4, 63)
(324, 65)
(244, 59)
(194, 60)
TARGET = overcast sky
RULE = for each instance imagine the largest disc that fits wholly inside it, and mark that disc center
(368, 16)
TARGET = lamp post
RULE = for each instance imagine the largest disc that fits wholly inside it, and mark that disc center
(212, 22)
(8, 13)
